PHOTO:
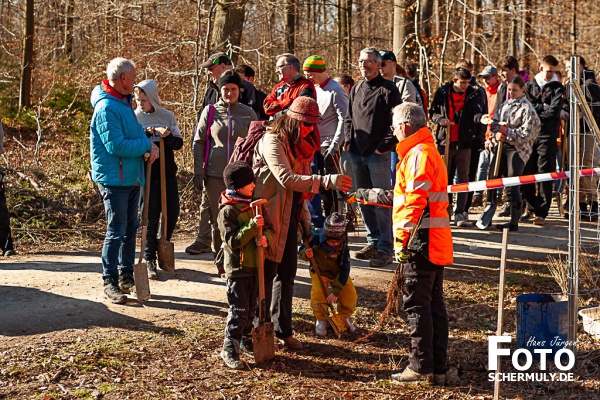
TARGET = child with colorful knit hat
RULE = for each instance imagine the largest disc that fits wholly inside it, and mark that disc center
(332, 256)
(239, 228)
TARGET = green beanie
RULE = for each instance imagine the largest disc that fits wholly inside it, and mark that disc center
(314, 64)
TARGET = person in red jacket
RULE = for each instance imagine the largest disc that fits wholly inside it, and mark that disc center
(422, 243)
(291, 86)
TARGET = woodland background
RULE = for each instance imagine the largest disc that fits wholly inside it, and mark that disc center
(53, 52)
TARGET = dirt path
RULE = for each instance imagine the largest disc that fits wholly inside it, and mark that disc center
(56, 291)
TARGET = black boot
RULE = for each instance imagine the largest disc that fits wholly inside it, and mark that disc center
(113, 291)
(515, 214)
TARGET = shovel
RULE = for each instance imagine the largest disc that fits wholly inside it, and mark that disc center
(336, 321)
(490, 208)
(263, 336)
(140, 270)
(166, 249)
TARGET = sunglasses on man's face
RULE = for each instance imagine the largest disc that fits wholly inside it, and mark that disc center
(307, 125)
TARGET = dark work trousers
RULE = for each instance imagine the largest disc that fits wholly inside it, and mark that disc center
(460, 160)
(542, 160)
(473, 166)
(330, 164)
(279, 279)
(6, 242)
(423, 298)
(154, 213)
(511, 164)
(241, 297)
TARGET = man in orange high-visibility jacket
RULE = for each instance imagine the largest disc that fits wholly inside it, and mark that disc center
(423, 243)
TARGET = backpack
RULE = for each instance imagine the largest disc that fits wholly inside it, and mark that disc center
(243, 150)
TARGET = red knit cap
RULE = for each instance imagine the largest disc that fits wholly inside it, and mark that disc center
(305, 109)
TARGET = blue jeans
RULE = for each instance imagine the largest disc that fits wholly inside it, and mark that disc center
(373, 171)
(121, 206)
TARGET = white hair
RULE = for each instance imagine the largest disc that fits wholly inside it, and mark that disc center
(372, 50)
(411, 114)
(117, 67)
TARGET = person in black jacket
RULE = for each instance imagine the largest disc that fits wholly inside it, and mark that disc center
(457, 109)
(547, 95)
(591, 91)
(247, 73)
(369, 139)
(6, 241)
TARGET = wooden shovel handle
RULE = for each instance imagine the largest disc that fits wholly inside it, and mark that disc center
(163, 189)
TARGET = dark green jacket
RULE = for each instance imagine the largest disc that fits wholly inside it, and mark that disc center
(238, 231)
(333, 264)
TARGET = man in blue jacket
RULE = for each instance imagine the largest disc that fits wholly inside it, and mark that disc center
(117, 147)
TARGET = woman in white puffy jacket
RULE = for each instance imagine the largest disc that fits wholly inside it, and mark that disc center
(517, 125)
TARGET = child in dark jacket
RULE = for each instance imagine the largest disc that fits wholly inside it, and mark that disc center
(332, 256)
(158, 123)
(239, 228)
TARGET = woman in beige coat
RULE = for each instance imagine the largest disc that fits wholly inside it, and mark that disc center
(283, 157)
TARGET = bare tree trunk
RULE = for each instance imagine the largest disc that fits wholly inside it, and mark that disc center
(290, 26)
(463, 49)
(574, 29)
(438, 24)
(512, 33)
(228, 24)
(474, 30)
(526, 31)
(502, 16)
(426, 17)
(68, 40)
(445, 42)
(400, 21)
(27, 61)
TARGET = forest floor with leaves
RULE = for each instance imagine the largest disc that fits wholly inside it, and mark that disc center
(60, 338)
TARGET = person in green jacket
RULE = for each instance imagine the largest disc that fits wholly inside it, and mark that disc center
(332, 256)
(239, 228)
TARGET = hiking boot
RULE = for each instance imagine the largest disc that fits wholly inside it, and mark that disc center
(505, 211)
(321, 328)
(539, 221)
(9, 252)
(198, 248)
(113, 292)
(477, 200)
(151, 269)
(527, 215)
(126, 281)
(351, 326)
(365, 253)
(232, 360)
(246, 344)
(410, 376)
(439, 379)
(462, 219)
(381, 260)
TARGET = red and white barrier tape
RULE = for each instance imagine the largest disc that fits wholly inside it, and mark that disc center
(516, 181)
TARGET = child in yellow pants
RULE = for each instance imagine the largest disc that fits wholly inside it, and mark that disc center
(332, 256)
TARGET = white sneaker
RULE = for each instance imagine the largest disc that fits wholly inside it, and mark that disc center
(321, 328)
(351, 326)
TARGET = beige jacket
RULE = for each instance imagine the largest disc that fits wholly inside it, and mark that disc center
(276, 183)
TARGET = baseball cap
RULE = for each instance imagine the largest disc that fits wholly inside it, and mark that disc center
(387, 55)
(216, 59)
(489, 71)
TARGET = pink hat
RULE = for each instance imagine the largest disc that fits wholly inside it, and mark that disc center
(305, 109)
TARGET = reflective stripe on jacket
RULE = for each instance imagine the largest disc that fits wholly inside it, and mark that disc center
(421, 182)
